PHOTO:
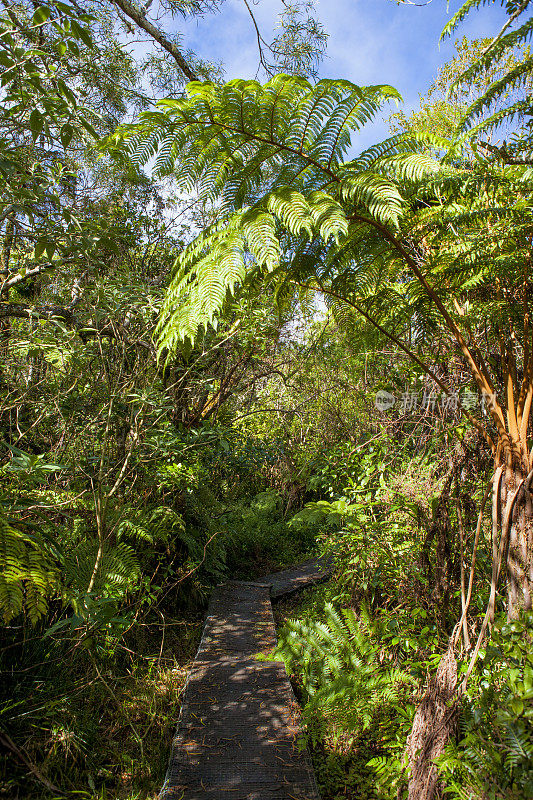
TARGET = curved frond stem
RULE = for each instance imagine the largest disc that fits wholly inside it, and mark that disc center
(398, 342)
(484, 385)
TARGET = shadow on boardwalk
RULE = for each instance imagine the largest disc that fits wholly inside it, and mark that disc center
(239, 724)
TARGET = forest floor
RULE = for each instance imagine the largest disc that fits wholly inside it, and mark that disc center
(107, 736)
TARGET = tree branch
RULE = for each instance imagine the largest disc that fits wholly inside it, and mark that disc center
(521, 8)
(138, 17)
(504, 154)
(50, 312)
(17, 277)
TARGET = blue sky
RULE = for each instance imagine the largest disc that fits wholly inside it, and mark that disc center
(370, 41)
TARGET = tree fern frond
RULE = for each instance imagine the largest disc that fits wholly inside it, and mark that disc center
(412, 167)
(328, 216)
(506, 43)
(260, 232)
(515, 78)
(378, 195)
(461, 15)
(117, 571)
(292, 209)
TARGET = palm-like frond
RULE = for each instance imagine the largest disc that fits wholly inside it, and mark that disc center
(518, 76)
(272, 157)
(27, 576)
(461, 14)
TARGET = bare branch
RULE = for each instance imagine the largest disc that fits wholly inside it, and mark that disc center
(138, 17)
(522, 7)
(51, 312)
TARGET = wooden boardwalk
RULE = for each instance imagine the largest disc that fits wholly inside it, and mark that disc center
(310, 572)
(239, 724)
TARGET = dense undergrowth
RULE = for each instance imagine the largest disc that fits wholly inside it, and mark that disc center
(95, 720)
(267, 348)
(92, 687)
(362, 650)
(91, 691)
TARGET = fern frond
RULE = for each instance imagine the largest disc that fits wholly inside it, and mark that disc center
(461, 15)
(376, 194)
(118, 568)
(27, 576)
(515, 78)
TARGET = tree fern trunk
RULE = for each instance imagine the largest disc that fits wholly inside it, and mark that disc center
(519, 555)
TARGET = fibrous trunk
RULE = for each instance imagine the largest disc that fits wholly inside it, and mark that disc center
(516, 525)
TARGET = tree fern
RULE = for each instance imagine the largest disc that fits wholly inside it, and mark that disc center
(293, 209)
(272, 157)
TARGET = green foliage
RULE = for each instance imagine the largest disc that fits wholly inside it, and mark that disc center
(259, 538)
(27, 574)
(370, 523)
(28, 567)
(160, 525)
(507, 87)
(150, 480)
(300, 42)
(443, 106)
(291, 206)
(493, 757)
(337, 663)
(40, 104)
(116, 571)
(358, 696)
(274, 156)
(30, 470)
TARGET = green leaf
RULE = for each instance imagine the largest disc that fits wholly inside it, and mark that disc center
(42, 13)
(40, 247)
(81, 33)
(66, 134)
(73, 48)
(109, 244)
(36, 123)
(517, 706)
(88, 127)
(6, 60)
(66, 92)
